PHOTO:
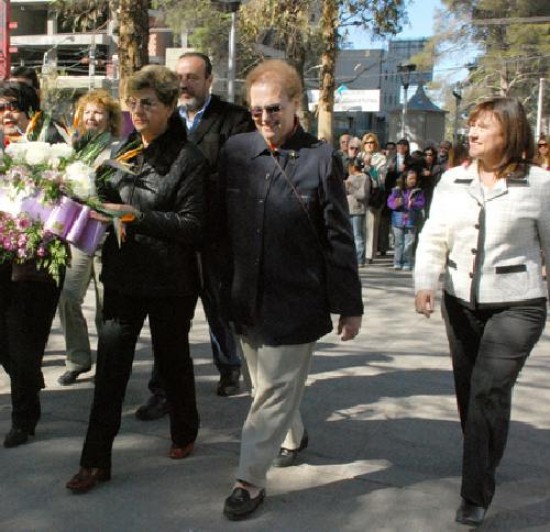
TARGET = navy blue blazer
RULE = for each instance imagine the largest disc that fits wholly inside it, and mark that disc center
(289, 270)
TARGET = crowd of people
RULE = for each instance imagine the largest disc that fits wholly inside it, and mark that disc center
(380, 222)
(268, 226)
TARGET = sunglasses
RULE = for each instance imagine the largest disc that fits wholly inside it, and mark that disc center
(10, 106)
(369, 142)
(146, 103)
(353, 147)
(542, 144)
(257, 111)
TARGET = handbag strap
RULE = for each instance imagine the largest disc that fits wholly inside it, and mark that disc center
(298, 197)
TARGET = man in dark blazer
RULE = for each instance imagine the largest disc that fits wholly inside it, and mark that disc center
(210, 122)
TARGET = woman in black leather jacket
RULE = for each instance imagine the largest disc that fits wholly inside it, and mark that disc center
(153, 272)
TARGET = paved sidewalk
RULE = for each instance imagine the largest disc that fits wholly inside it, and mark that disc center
(384, 453)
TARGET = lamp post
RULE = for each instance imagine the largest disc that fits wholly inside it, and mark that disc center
(540, 101)
(457, 93)
(230, 6)
(405, 70)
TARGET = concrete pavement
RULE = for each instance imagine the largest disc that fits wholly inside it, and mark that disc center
(384, 452)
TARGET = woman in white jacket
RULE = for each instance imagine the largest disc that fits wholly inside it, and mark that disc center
(488, 223)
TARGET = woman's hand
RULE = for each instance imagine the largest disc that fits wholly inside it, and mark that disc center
(124, 207)
(424, 302)
(128, 213)
(348, 327)
(94, 215)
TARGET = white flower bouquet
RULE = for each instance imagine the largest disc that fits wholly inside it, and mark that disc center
(46, 194)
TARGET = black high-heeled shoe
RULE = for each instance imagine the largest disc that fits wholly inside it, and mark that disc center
(17, 436)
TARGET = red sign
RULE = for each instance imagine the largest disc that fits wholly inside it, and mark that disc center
(4, 39)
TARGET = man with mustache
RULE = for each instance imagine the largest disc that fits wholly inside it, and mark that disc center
(210, 122)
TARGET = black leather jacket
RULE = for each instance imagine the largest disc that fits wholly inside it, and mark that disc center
(158, 256)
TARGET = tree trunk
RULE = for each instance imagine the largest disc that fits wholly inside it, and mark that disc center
(133, 39)
(329, 24)
(295, 52)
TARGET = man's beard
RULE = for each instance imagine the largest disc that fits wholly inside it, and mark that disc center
(190, 103)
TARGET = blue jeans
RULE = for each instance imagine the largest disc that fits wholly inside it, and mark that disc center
(403, 246)
(358, 224)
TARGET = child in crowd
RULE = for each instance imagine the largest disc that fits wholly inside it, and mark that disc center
(357, 191)
(406, 202)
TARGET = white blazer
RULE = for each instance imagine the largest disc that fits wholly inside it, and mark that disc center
(488, 242)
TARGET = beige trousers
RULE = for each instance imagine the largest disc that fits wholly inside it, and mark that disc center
(278, 375)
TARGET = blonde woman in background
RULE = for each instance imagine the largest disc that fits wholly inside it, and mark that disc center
(98, 119)
(375, 166)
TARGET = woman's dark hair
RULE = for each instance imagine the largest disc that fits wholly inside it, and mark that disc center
(28, 74)
(162, 80)
(356, 163)
(24, 95)
(519, 145)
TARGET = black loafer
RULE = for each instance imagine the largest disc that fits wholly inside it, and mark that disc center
(469, 514)
(17, 436)
(157, 406)
(239, 504)
(70, 377)
(288, 457)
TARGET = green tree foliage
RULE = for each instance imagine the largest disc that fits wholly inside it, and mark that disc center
(82, 15)
(207, 28)
(514, 47)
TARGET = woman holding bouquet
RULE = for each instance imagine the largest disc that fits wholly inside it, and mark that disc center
(28, 295)
(153, 272)
(98, 120)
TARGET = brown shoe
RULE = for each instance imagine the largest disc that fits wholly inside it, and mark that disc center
(177, 452)
(87, 478)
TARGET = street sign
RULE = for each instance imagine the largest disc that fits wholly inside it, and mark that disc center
(350, 100)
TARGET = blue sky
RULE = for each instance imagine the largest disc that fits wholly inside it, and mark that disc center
(420, 24)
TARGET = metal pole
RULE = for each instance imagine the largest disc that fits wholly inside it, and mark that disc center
(231, 58)
(91, 68)
(455, 127)
(539, 108)
(404, 114)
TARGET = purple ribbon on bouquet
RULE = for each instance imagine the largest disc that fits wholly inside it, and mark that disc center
(71, 221)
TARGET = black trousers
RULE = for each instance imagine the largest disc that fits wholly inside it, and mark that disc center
(222, 340)
(169, 320)
(27, 310)
(488, 349)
